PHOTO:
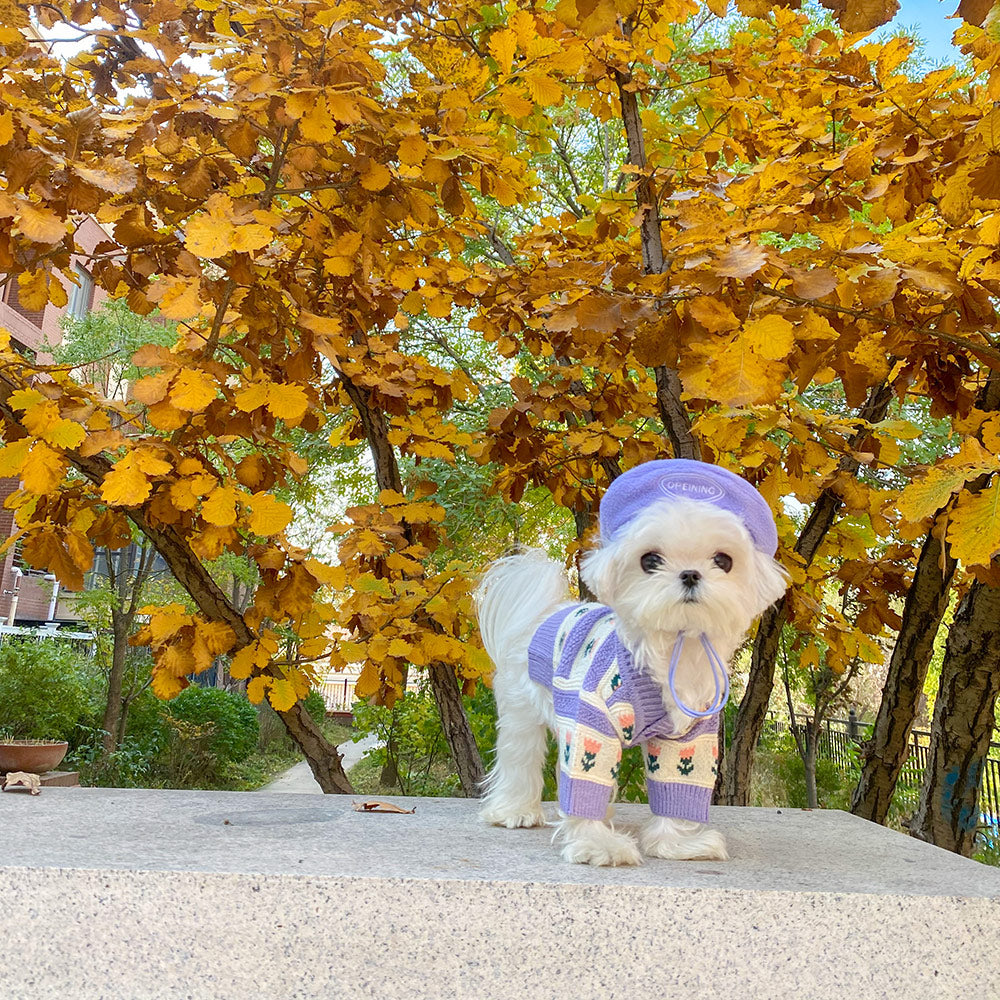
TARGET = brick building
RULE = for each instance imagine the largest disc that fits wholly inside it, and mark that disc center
(28, 596)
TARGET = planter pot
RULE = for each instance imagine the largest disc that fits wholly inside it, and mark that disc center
(33, 756)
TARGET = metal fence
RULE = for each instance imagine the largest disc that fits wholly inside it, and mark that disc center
(838, 742)
(338, 692)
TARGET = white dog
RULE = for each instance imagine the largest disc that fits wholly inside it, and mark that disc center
(684, 566)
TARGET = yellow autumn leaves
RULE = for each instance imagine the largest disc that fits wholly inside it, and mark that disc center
(131, 480)
(225, 228)
(176, 392)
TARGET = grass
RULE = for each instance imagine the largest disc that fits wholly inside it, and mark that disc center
(259, 768)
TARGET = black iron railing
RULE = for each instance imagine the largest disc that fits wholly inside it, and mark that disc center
(838, 741)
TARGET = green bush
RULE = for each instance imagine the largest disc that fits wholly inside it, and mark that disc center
(315, 706)
(779, 777)
(131, 765)
(47, 689)
(233, 719)
(411, 738)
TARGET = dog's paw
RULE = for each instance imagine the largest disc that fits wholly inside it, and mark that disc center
(625, 852)
(591, 842)
(681, 840)
(512, 818)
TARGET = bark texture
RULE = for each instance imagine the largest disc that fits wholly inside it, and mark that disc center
(963, 724)
(732, 787)
(126, 583)
(673, 413)
(885, 753)
(926, 603)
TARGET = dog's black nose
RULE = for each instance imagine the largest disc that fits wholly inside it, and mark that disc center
(690, 578)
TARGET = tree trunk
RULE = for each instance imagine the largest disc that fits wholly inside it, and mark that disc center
(457, 731)
(584, 521)
(809, 763)
(926, 603)
(113, 724)
(732, 786)
(963, 724)
(324, 758)
(673, 413)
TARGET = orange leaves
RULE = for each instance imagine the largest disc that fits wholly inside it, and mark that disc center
(740, 261)
(39, 224)
(744, 369)
(178, 298)
(111, 173)
(64, 552)
(219, 507)
(182, 644)
(862, 15)
(227, 226)
(128, 483)
(771, 337)
(43, 469)
(974, 529)
(192, 389)
(286, 402)
(375, 176)
(268, 516)
(502, 45)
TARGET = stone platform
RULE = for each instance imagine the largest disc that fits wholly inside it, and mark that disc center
(142, 895)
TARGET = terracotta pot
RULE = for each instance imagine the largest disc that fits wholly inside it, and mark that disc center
(33, 756)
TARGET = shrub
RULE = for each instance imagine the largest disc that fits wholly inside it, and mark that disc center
(131, 765)
(410, 736)
(234, 720)
(315, 705)
(46, 689)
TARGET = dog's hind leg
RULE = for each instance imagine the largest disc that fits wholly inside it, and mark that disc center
(513, 788)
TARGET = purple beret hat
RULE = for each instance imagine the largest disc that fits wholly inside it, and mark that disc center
(682, 479)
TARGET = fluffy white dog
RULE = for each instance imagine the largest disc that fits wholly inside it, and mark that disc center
(684, 566)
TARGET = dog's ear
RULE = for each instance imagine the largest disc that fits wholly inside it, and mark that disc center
(598, 572)
(770, 581)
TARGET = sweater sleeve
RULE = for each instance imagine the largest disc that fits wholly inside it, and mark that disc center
(590, 755)
(680, 773)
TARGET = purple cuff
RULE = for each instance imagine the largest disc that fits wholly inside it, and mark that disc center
(584, 799)
(679, 801)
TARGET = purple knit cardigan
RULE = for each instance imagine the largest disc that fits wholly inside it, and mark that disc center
(604, 703)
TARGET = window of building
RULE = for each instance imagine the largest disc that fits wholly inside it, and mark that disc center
(81, 295)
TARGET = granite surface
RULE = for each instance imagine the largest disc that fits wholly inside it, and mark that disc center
(128, 895)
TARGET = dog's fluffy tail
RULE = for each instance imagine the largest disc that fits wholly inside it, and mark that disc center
(514, 596)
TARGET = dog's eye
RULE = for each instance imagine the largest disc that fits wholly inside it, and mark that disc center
(651, 562)
(724, 562)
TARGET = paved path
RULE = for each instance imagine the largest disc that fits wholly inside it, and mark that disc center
(300, 777)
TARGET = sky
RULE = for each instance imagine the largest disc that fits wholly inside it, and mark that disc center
(933, 23)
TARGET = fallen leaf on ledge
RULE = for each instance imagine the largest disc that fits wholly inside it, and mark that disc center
(21, 779)
(375, 806)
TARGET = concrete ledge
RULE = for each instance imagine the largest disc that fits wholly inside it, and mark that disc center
(153, 894)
